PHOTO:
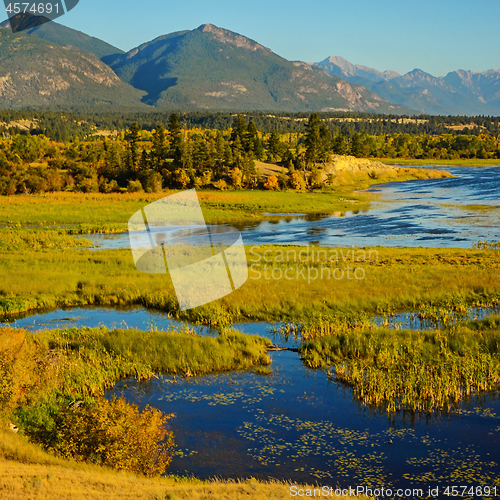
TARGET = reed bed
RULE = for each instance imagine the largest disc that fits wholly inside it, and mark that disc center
(410, 370)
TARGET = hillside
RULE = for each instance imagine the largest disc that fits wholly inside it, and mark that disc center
(67, 37)
(36, 72)
(216, 69)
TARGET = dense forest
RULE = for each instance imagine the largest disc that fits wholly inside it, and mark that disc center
(108, 153)
(66, 126)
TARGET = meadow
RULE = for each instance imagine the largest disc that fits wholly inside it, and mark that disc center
(35, 275)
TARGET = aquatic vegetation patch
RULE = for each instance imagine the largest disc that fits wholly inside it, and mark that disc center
(410, 370)
(14, 238)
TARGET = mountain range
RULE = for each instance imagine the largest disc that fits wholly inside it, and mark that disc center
(211, 68)
(458, 93)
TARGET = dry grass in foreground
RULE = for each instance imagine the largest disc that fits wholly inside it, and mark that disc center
(41, 482)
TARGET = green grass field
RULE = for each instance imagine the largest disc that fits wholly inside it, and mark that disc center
(284, 283)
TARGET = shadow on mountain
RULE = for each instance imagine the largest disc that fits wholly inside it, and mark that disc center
(155, 94)
(26, 20)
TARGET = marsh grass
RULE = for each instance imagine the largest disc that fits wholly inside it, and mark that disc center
(410, 370)
(17, 238)
(472, 207)
(492, 245)
(395, 279)
(84, 362)
(109, 213)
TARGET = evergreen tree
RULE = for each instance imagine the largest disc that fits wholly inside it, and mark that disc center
(273, 146)
(159, 150)
(239, 130)
(316, 140)
(175, 133)
(339, 145)
(133, 137)
(251, 138)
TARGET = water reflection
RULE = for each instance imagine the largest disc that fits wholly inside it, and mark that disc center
(431, 213)
(297, 424)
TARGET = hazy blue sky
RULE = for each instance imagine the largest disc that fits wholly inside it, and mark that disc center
(436, 36)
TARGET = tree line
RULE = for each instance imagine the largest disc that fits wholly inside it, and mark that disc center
(66, 125)
(173, 156)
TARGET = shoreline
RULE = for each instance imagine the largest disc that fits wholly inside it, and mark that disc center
(473, 162)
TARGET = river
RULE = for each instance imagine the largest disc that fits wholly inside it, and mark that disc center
(428, 213)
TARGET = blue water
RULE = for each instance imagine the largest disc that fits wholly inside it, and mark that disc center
(428, 213)
(296, 424)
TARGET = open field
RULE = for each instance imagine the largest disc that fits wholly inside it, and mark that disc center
(285, 283)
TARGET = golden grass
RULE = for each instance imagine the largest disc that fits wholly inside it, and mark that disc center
(41, 482)
(16, 447)
(393, 278)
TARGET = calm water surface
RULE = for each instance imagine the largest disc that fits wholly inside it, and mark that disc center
(430, 213)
